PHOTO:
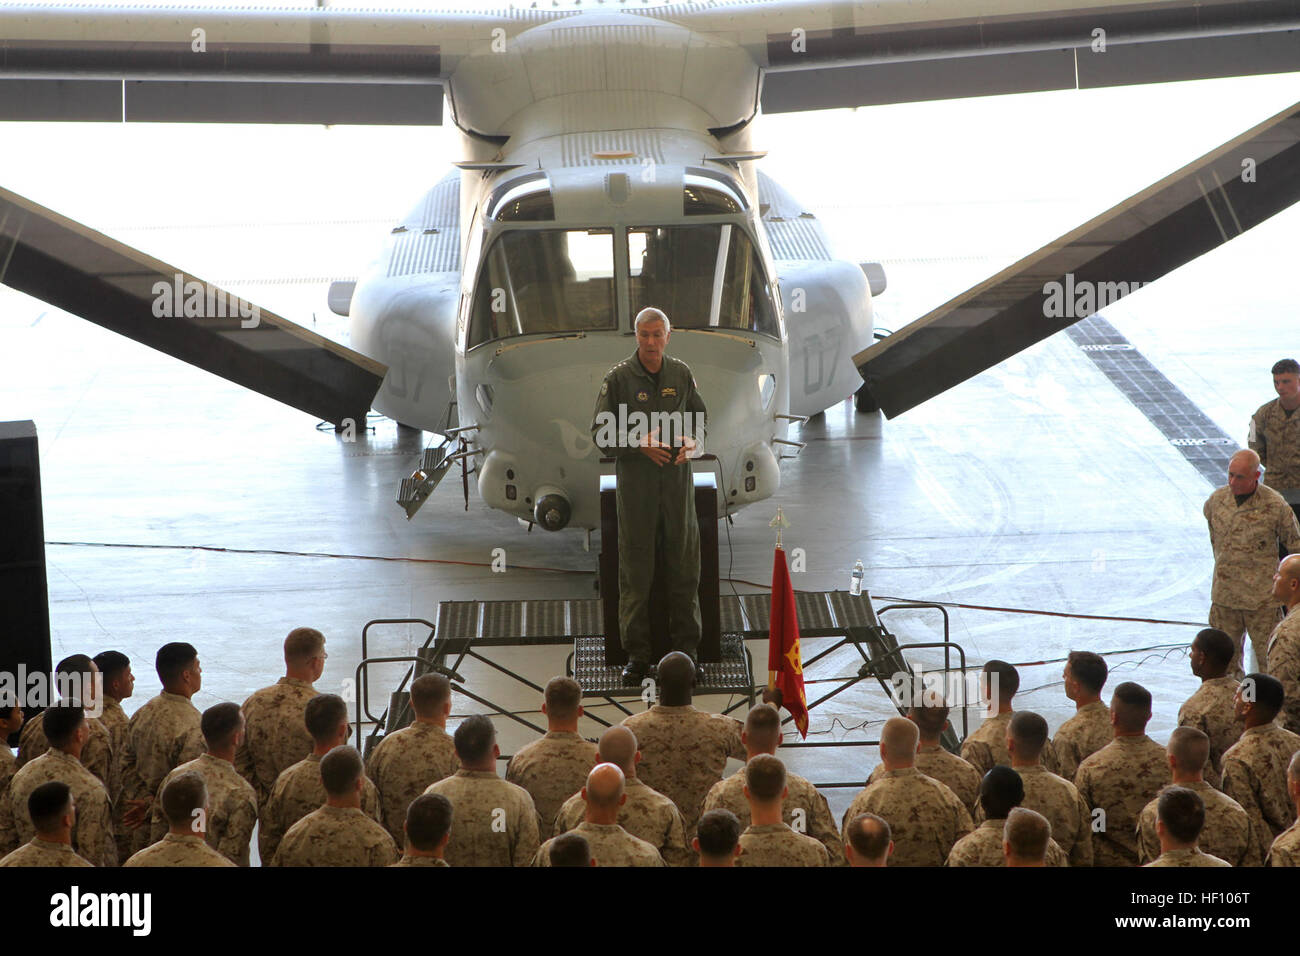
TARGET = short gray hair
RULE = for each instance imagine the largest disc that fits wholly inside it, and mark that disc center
(651, 314)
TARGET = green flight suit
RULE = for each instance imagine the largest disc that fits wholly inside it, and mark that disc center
(656, 503)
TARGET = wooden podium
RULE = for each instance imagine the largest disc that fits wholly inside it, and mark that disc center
(706, 512)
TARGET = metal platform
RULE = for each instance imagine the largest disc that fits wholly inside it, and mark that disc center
(734, 674)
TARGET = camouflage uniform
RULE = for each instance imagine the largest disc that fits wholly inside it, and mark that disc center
(775, 844)
(684, 752)
(1080, 737)
(1244, 539)
(403, 766)
(1060, 802)
(1227, 834)
(8, 767)
(408, 860)
(482, 835)
(816, 819)
(297, 792)
(1120, 779)
(116, 723)
(958, 774)
(336, 836)
(232, 807)
(1285, 850)
(161, 735)
(986, 748)
(925, 816)
(983, 847)
(610, 844)
(552, 769)
(39, 852)
(656, 507)
(97, 754)
(1211, 711)
(275, 733)
(1254, 774)
(92, 834)
(647, 815)
(1275, 437)
(1192, 857)
(1284, 663)
(176, 850)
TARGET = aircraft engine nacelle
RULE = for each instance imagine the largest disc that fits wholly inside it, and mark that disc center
(828, 318)
(409, 323)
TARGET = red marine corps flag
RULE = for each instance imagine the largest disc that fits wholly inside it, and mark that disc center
(784, 663)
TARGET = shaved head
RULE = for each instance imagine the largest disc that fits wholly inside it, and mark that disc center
(1293, 769)
(898, 739)
(676, 677)
(1290, 567)
(605, 786)
(1029, 731)
(1131, 705)
(618, 747)
(1190, 749)
(763, 728)
(1027, 834)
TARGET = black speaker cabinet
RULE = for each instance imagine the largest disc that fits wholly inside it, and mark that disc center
(706, 512)
(24, 600)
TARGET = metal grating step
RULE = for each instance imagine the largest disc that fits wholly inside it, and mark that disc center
(731, 675)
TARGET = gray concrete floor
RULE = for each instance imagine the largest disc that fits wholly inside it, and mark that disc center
(179, 507)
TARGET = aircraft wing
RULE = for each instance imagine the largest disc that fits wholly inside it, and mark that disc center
(177, 63)
(841, 53)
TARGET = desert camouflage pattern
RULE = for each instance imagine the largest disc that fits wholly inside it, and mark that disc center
(408, 860)
(775, 844)
(8, 767)
(983, 847)
(957, 774)
(552, 769)
(1059, 801)
(1285, 850)
(92, 834)
(814, 815)
(925, 816)
(1080, 737)
(986, 747)
(1244, 539)
(232, 807)
(176, 850)
(610, 844)
(1283, 658)
(297, 792)
(647, 814)
(44, 853)
(1120, 779)
(336, 836)
(1210, 710)
(1192, 857)
(684, 753)
(1258, 623)
(493, 823)
(97, 753)
(160, 736)
(1275, 437)
(1254, 774)
(1227, 833)
(403, 766)
(275, 733)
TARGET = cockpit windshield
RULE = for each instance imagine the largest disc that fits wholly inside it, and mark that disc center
(545, 280)
(706, 276)
(703, 277)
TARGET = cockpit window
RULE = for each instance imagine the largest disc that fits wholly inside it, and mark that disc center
(527, 199)
(707, 276)
(544, 280)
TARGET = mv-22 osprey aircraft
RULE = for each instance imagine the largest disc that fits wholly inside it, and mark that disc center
(611, 162)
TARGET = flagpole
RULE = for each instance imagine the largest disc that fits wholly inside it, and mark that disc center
(779, 522)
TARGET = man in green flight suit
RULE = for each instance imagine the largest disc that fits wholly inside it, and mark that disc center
(651, 418)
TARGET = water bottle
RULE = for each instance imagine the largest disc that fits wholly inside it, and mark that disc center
(855, 580)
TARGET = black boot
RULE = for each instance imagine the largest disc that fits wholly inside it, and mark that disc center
(634, 672)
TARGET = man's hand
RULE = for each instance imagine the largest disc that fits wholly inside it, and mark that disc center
(135, 816)
(655, 450)
(686, 452)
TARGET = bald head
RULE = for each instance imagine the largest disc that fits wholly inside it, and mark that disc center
(1243, 472)
(618, 747)
(1244, 459)
(1190, 749)
(605, 786)
(898, 740)
(676, 677)
(1293, 768)
(1286, 583)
